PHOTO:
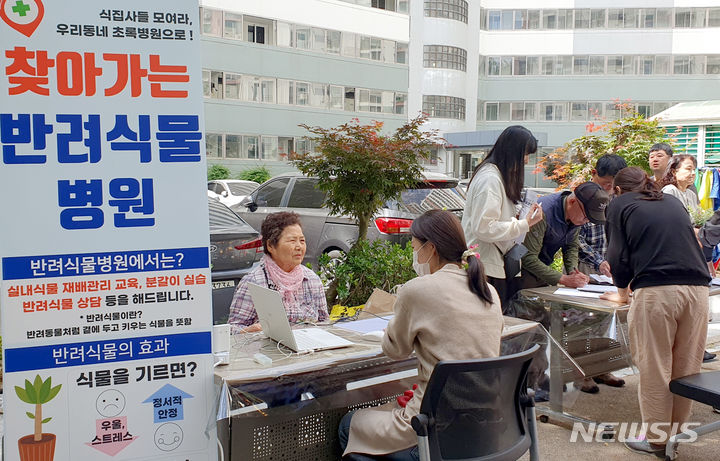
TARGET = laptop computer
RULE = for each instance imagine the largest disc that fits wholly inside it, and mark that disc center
(273, 320)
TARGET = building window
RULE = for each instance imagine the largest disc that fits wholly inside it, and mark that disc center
(349, 103)
(302, 93)
(285, 91)
(284, 34)
(256, 33)
(333, 42)
(319, 95)
(714, 17)
(233, 146)
(388, 51)
(269, 147)
(212, 84)
(444, 106)
(302, 38)
(713, 65)
(578, 111)
(213, 145)
(553, 111)
(520, 111)
(233, 26)
(336, 97)
(582, 19)
(233, 86)
(349, 47)
(444, 57)
(451, 9)
(645, 65)
(401, 53)
(597, 18)
(250, 147)
(596, 65)
(401, 103)
(581, 65)
(212, 22)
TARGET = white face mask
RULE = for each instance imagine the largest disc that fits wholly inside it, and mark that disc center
(420, 268)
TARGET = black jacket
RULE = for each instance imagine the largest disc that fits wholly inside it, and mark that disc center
(652, 243)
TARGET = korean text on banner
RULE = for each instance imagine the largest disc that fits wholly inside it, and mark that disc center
(106, 324)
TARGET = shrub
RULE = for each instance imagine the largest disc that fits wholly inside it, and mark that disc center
(368, 265)
(258, 174)
(218, 172)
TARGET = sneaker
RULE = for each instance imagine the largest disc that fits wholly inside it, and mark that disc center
(708, 356)
(644, 447)
(609, 380)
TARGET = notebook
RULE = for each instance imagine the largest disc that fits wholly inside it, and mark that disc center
(273, 320)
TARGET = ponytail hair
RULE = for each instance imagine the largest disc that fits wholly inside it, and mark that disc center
(443, 229)
(635, 179)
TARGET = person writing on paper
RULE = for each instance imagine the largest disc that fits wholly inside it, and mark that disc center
(447, 313)
(490, 218)
(564, 212)
(591, 239)
(281, 270)
(652, 249)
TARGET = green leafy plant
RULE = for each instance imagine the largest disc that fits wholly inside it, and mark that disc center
(37, 393)
(218, 172)
(258, 174)
(368, 265)
(630, 137)
(360, 168)
(700, 216)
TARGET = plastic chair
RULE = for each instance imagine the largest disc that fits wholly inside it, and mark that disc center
(478, 410)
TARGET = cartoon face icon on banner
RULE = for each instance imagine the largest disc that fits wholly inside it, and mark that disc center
(110, 403)
(168, 436)
(22, 15)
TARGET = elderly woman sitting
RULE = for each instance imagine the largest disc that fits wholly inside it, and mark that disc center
(281, 270)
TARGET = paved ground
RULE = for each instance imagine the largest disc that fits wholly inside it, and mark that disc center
(612, 405)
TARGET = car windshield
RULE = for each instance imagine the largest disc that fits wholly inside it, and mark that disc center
(431, 196)
(220, 215)
(241, 188)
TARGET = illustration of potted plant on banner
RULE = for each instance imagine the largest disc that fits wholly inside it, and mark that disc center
(38, 446)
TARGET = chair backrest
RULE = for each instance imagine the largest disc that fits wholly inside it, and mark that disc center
(476, 408)
(221, 299)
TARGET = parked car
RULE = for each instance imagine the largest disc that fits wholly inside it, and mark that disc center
(231, 191)
(235, 247)
(325, 232)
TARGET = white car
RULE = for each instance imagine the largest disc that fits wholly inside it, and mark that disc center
(231, 191)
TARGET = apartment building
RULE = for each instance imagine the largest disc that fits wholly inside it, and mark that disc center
(474, 66)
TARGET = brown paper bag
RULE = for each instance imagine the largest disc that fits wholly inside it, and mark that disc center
(379, 303)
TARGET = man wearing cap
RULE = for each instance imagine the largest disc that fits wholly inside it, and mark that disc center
(564, 213)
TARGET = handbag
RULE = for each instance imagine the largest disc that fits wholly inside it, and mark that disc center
(511, 260)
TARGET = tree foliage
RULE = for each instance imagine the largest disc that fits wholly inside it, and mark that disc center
(630, 137)
(218, 172)
(359, 168)
(258, 174)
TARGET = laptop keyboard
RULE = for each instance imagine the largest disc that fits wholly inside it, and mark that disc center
(304, 343)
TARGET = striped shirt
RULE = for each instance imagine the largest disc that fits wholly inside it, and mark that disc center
(312, 306)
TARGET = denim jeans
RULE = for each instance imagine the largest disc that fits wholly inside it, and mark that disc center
(409, 454)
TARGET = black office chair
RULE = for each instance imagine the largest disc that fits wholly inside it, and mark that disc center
(478, 410)
(221, 299)
(703, 388)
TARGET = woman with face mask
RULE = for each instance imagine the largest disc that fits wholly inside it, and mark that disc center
(449, 312)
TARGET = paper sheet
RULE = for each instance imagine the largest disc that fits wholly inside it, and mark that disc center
(578, 293)
(604, 278)
(598, 288)
(530, 198)
(715, 281)
(365, 326)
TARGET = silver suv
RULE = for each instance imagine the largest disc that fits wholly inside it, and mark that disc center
(325, 232)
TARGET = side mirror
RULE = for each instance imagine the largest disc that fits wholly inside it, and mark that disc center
(248, 203)
(224, 193)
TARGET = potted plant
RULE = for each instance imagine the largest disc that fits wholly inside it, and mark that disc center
(38, 446)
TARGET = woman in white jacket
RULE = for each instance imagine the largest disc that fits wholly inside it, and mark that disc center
(490, 217)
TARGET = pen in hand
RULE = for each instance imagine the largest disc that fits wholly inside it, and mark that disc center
(534, 213)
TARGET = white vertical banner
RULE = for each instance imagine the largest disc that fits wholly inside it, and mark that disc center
(105, 301)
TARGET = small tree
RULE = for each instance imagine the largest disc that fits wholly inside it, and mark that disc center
(258, 174)
(37, 393)
(630, 137)
(218, 172)
(359, 168)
